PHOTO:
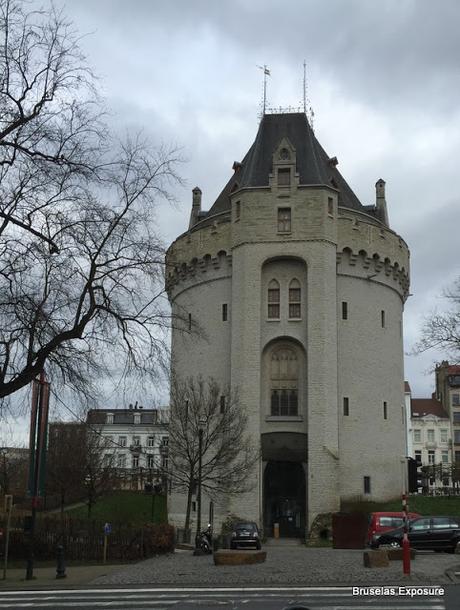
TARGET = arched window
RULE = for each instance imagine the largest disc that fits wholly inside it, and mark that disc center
(284, 375)
(294, 299)
(273, 300)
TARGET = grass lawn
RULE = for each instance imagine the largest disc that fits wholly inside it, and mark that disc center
(129, 507)
(424, 505)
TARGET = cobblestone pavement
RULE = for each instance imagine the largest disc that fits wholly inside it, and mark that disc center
(284, 565)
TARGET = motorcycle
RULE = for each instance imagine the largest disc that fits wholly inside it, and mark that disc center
(204, 540)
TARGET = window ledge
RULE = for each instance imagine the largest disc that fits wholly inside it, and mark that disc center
(275, 418)
(295, 319)
(284, 232)
(273, 320)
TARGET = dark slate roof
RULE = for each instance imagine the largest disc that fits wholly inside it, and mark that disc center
(313, 163)
(427, 406)
(122, 416)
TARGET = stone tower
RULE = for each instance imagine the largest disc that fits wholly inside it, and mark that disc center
(300, 291)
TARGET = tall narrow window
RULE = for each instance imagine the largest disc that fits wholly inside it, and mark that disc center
(273, 300)
(294, 299)
(367, 485)
(190, 321)
(330, 206)
(284, 220)
(224, 312)
(346, 405)
(222, 404)
(382, 318)
(284, 176)
(344, 310)
(385, 410)
(237, 210)
(284, 383)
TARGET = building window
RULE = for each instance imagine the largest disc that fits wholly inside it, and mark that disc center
(190, 321)
(164, 441)
(193, 506)
(284, 383)
(430, 457)
(150, 461)
(443, 435)
(330, 206)
(284, 220)
(418, 456)
(344, 310)
(222, 404)
(445, 457)
(137, 418)
(385, 410)
(164, 462)
(109, 418)
(457, 457)
(237, 210)
(430, 436)
(456, 417)
(382, 318)
(367, 485)
(135, 461)
(224, 312)
(121, 462)
(108, 441)
(122, 441)
(346, 405)
(417, 436)
(294, 299)
(284, 176)
(457, 437)
(136, 441)
(273, 300)
(151, 441)
(456, 399)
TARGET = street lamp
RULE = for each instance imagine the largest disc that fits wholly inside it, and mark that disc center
(201, 427)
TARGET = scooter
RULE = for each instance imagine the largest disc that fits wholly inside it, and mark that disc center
(204, 540)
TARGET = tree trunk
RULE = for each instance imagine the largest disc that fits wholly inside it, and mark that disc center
(189, 506)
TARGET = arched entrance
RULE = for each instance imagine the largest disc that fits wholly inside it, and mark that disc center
(285, 498)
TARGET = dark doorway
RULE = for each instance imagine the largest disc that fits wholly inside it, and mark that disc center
(284, 498)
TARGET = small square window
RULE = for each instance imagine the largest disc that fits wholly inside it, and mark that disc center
(284, 220)
(284, 176)
(224, 312)
(344, 310)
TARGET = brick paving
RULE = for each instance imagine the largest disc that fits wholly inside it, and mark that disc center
(284, 566)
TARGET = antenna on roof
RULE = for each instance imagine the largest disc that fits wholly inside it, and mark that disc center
(266, 73)
(308, 111)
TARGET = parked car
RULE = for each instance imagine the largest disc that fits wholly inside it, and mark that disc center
(245, 534)
(438, 533)
(385, 521)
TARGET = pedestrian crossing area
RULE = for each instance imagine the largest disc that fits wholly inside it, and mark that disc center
(231, 598)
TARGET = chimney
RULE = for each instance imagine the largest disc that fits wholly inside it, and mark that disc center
(380, 201)
(196, 206)
(135, 406)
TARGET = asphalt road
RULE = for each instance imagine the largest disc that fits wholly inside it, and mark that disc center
(228, 598)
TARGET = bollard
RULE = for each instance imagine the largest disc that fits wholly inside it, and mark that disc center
(60, 563)
(276, 530)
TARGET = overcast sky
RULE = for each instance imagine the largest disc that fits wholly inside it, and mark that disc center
(383, 79)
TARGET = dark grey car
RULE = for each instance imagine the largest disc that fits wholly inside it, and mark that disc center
(439, 533)
(245, 535)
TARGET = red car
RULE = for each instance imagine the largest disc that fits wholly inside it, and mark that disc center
(383, 522)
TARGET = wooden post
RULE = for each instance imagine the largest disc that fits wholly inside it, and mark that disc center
(104, 560)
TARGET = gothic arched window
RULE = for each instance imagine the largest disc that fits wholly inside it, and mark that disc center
(273, 300)
(294, 299)
(284, 375)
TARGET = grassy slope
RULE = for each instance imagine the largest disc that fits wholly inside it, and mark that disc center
(425, 505)
(129, 507)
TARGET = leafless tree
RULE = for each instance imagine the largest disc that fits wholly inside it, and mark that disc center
(227, 453)
(81, 264)
(442, 330)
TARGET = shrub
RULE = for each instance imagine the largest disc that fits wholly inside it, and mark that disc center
(158, 538)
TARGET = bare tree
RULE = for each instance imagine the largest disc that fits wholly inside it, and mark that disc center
(227, 453)
(81, 265)
(442, 330)
(99, 469)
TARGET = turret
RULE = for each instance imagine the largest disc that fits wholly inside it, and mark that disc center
(380, 201)
(196, 206)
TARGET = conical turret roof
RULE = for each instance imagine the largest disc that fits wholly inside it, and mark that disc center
(312, 162)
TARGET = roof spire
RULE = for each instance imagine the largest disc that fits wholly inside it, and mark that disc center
(266, 73)
(308, 111)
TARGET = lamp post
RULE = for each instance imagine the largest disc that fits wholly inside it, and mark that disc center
(201, 426)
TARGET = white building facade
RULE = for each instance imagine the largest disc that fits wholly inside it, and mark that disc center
(134, 442)
(298, 291)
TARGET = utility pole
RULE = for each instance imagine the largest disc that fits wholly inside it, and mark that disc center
(37, 457)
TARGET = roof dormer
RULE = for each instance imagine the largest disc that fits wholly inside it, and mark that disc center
(284, 163)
